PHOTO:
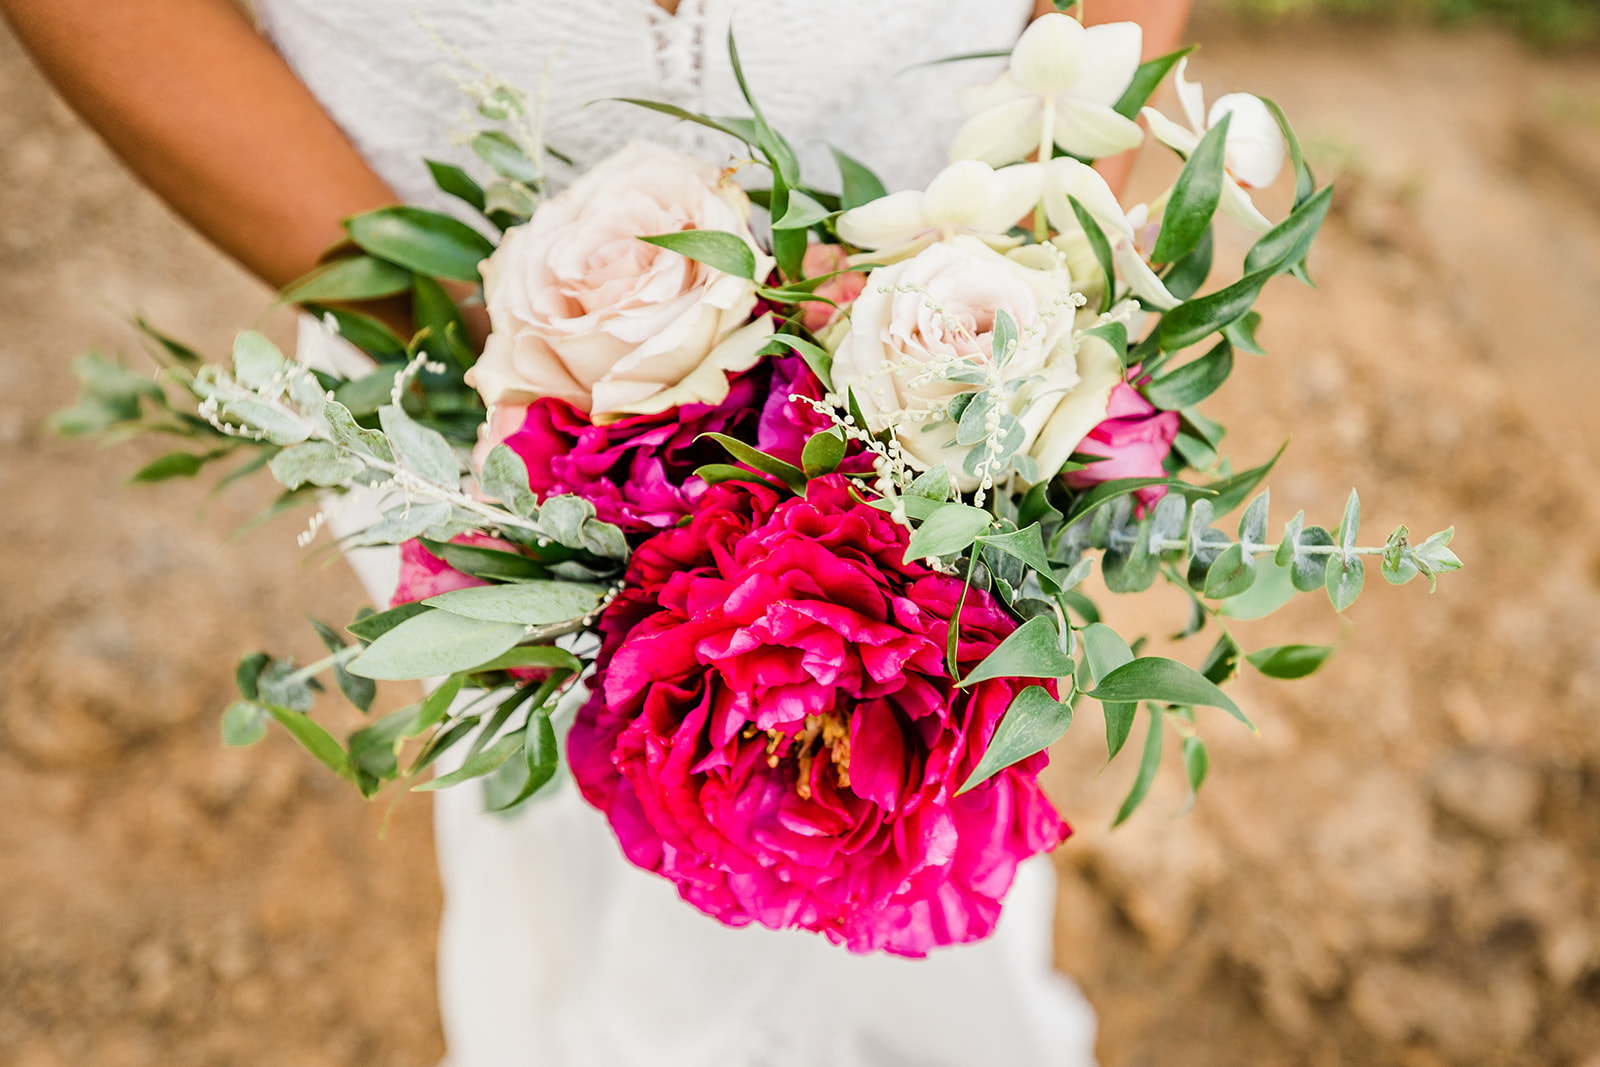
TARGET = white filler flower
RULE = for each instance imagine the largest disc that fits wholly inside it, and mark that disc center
(1062, 85)
(1253, 155)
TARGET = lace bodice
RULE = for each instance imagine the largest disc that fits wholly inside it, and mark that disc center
(823, 70)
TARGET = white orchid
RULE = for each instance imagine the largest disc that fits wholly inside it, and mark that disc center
(1061, 86)
(1066, 178)
(1253, 155)
(969, 197)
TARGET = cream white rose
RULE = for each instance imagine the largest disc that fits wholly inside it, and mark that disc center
(923, 318)
(584, 311)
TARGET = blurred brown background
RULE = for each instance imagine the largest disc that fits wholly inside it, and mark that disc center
(1403, 869)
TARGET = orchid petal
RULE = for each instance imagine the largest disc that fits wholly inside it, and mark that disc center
(1169, 133)
(959, 193)
(1004, 134)
(888, 220)
(1069, 177)
(1255, 148)
(1093, 130)
(1140, 278)
(1192, 97)
(1236, 204)
(1113, 56)
(1013, 193)
(1050, 56)
(1003, 90)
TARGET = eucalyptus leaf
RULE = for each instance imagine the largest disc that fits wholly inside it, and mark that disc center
(421, 451)
(1310, 571)
(1290, 661)
(1345, 577)
(950, 530)
(244, 723)
(315, 462)
(505, 478)
(1230, 575)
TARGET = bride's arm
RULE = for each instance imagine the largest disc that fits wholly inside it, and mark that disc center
(210, 117)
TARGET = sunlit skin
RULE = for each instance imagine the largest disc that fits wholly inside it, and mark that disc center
(208, 115)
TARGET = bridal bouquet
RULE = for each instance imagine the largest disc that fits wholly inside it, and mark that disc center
(803, 523)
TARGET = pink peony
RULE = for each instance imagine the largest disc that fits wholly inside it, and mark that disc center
(1135, 438)
(423, 575)
(842, 290)
(772, 727)
(638, 471)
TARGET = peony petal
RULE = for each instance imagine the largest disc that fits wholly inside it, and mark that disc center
(1013, 194)
(1050, 55)
(1005, 133)
(958, 194)
(1169, 133)
(1066, 177)
(1237, 205)
(1113, 50)
(1255, 143)
(1192, 98)
(1094, 130)
(895, 219)
(1099, 371)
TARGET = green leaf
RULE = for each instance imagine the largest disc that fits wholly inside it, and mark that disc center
(505, 478)
(244, 723)
(1286, 245)
(1305, 183)
(455, 182)
(366, 333)
(1149, 763)
(313, 738)
(435, 311)
(372, 627)
(1114, 334)
(247, 675)
(788, 246)
(1242, 334)
(1197, 319)
(822, 454)
(1105, 492)
(1192, 382)
(485, 762)
(787, 473)
(421, 451)
(174, 350)
(1222, 662)
(819, 359)
(1290, 661)
(1194, 198)
(1035, 721)
(351, 278)
(1187, 275)
(506, 157)
(314, 462)
(1231, 492)
(950, 530)
(859, 184)
(359, 691)
(1145, 81)
(1350, 527)
(540, 753)
(534, 656)
(1310, 571)
(427, 242)
(1003, 338)
(1344, 580)
(1166, 681)
(1196, 764)
(489, 563)
(256, 360)
(172, 465)
(532, 603)
(434, 644)
(1033, 650)
(1102, 253)
(716, 249)
(717, 473)
(1104, 651)
(802, 213)
(726, 126)
(1028, 546)
(1230, 575)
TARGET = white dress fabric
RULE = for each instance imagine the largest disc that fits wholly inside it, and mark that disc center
(554, 951)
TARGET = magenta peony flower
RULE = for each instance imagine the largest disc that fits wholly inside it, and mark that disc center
(1136, 439)
(422, 574)
(637, 471)
(786, 425)
(772, 727)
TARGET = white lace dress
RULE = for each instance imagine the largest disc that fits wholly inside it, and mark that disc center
(554, 951)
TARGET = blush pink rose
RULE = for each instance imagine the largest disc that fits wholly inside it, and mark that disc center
(773, 729)
(1135, 438)
(843, 290)
(424, 575)
(583, 311)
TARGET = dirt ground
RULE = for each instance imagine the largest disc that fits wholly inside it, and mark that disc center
(1404, 868)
